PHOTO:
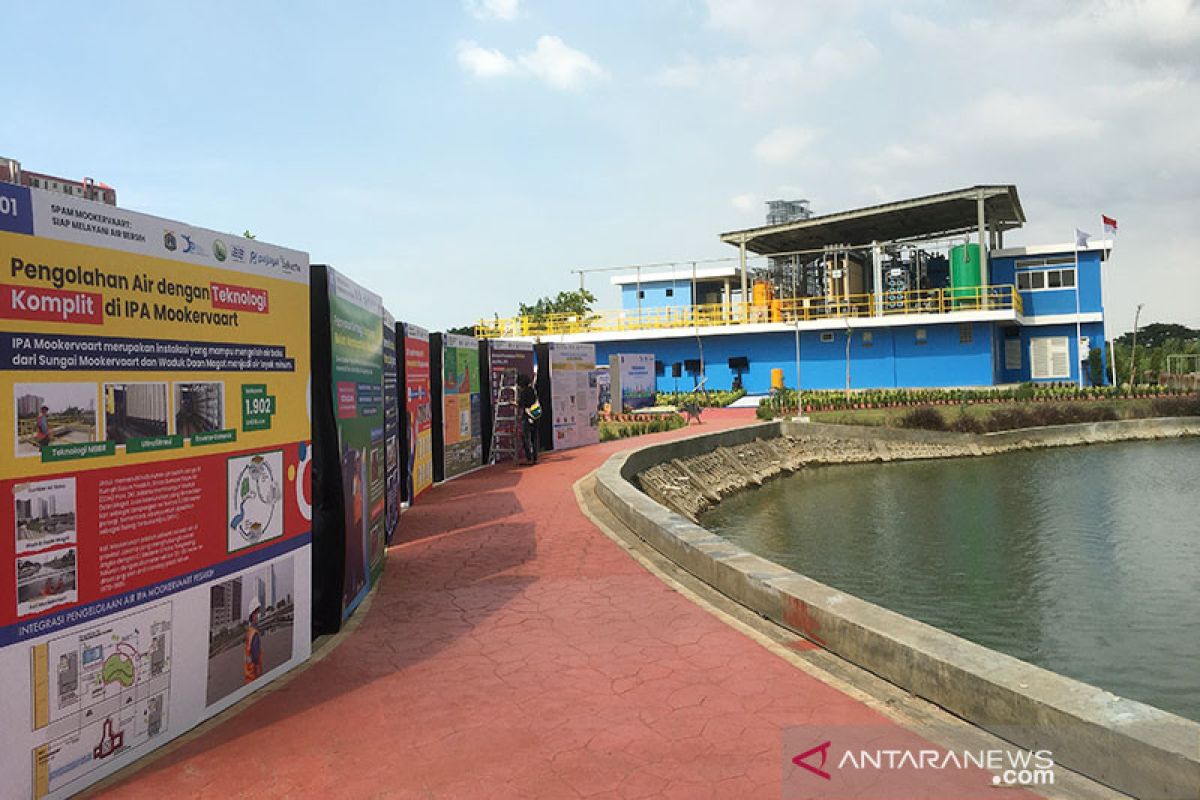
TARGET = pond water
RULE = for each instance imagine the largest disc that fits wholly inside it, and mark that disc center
(1082, 560)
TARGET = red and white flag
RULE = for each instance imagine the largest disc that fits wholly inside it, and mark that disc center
(1110, 225)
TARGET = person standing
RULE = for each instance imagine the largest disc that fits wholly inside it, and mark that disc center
(252, 655)
(41, 433)
(531, 417)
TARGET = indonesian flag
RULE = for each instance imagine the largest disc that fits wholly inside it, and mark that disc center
(1110, 225)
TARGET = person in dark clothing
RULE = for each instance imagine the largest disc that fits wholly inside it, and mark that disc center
(531, 417)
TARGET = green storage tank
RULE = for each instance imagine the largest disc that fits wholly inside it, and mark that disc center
(964, 275)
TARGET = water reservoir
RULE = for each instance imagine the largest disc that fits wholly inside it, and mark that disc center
(1082, 560)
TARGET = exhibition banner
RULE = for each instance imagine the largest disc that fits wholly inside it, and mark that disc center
(391, 426)
(155, 511)
(574, 395)
(633, 381)
(356, 384)
(418, 413)
(513, 358)
(461, 413)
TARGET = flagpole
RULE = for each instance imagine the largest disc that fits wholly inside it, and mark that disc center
(1112, 345)
(1078, 328)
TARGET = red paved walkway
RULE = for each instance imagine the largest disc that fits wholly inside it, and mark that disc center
(514, 651)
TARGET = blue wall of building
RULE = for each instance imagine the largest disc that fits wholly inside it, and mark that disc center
(893, 357)
(1093, 330)
(1054, 301)
(655, 294)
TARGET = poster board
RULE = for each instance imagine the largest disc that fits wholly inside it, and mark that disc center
(500, 355)
(391, 428)
(574, 395)
(348, 444)
(462, 444)
(418, 414)
(633, 381)
(164, 526)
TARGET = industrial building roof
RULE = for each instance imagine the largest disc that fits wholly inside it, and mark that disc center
(929, 217)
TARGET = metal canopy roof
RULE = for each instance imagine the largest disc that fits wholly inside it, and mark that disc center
(930, 217)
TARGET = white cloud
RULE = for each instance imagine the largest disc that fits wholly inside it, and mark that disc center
(483, 62)
(783, 145)
(558, 65)
(551, 61)
(743, 202)
(494, 9)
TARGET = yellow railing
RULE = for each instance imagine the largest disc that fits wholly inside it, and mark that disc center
(921, 301)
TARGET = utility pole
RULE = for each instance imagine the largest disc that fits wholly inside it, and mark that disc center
(1133, 350)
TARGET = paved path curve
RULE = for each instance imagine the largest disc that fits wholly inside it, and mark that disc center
(513, 650)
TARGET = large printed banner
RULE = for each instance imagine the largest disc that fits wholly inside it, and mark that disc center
(632, 380)
(511, 358)
(574, 395)
(418, 413)
(356, 382)
(461, 413)
(391, 425)
(154, 500)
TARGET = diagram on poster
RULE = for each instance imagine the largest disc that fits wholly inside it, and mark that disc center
(99, 692)
(255, 499)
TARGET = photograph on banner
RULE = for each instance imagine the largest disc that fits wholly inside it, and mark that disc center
(47, 414)
(418, 413)
(157, 398)
(45, 514)
(134, 411)
(199, 407)
(462, 414)
(251, 621)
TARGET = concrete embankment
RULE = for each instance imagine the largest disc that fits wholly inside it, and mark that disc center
(692, 483)
(1130, 746)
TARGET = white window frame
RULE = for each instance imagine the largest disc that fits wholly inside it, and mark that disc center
(1045, 273)
(1043, 351)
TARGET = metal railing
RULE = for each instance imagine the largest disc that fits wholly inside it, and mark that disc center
(785, 310)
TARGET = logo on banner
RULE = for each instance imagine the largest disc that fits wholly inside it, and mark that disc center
(190, 246)
(169, 241)
(219, 251)
(237, 253)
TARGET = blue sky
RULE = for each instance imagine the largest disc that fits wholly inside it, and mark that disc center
(460, 157)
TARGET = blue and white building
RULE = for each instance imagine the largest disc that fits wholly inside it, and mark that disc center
(918, 293)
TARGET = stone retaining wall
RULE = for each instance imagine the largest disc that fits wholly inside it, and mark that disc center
(692, 484)
(1133, 747)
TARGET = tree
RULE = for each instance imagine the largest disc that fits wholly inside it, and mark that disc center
(578, 303)
(248, 235)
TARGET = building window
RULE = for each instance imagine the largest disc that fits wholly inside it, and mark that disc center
(670, 292)
(921, 337)
(965, 334)
(827, 336)
(1037, 280)
(1012, 354)
(1049, 357)
(641, 294)
(868, 338)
